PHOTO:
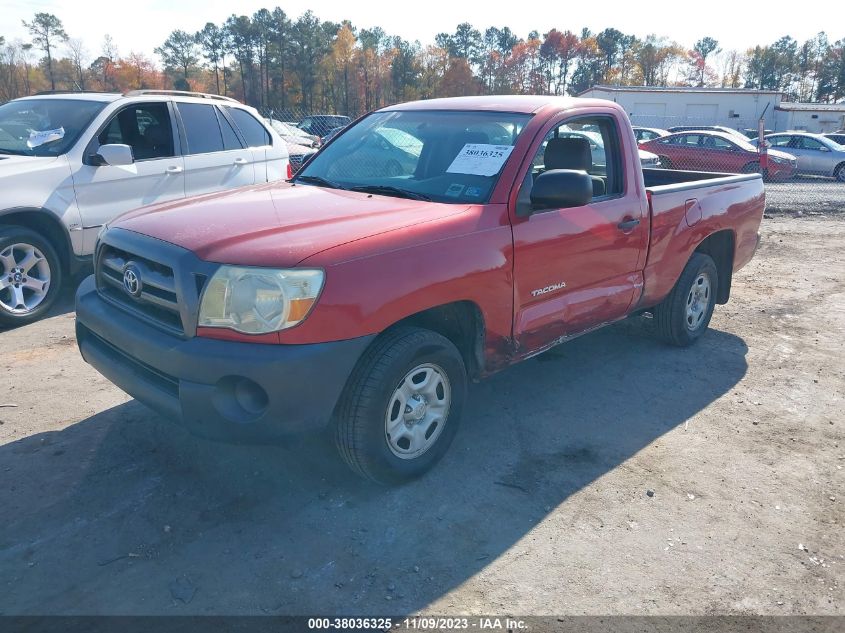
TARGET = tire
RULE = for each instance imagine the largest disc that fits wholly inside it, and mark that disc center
(751, 168)
(665, 163)
(839, 172)
(372, 403)
(681, 318)
(22, 299)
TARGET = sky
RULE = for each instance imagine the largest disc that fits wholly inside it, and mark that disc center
(140, 26)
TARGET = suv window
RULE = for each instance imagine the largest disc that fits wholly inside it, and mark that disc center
(201, 128)
(256, 135)
(590, 144)
(230, 139)
(145, 127)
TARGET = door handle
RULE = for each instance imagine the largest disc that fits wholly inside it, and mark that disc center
(174, 169)
(627, 225)
(241, 161)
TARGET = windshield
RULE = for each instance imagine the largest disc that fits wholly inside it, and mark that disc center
(44, 127)
(433, 155)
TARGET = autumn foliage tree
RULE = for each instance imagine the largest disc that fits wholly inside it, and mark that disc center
(288, 65)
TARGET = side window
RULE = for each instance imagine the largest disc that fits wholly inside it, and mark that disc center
(690, 140)
(721, 144)
(201, 128)
(779, 141)
(255, 134)
(589, 144)
(230, 139)
(810, 143)
(145, 127)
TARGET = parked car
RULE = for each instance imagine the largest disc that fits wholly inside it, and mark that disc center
(817, 155)
(643, 134)
(70, 163)
(838, 138)
(754, 132)
(293, 135)
(332, 133)
(368, 302)
(708, 128)
(297, 156)
(320, 124)
(720, 152)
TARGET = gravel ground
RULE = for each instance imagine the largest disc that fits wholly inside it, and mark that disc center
(612, 475)
(807, 195)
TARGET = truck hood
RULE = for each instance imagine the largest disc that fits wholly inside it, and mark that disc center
(277, 225)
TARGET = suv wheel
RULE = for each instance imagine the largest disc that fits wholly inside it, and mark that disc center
(30, 276)
(400, 409)
(684, 315)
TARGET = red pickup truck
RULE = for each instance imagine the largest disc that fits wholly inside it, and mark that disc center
(427, 245)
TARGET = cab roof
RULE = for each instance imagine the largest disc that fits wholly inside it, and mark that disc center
(524, 104)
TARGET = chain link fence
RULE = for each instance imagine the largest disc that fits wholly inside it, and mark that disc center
(803, 172)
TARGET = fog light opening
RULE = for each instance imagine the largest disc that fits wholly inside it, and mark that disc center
(240, 399)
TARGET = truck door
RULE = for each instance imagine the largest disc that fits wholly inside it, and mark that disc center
(578, 267)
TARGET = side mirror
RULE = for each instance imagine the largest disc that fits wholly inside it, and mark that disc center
(561, 188)
(115, 154)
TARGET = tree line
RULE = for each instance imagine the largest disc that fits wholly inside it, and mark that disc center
(276, 62)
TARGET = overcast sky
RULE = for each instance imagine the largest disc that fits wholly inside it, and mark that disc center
(141, 25)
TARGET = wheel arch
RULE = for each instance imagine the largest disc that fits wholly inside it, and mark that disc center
(459, 321)
(45, 224)
(721, 247)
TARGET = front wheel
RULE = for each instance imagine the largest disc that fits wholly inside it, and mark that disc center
(30, 276)
(683, 316)
(839, 173)
(401, 406)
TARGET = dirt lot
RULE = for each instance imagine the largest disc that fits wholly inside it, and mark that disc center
(541, 507)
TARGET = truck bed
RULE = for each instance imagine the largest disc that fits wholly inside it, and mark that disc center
(688, 206)
(664, 180)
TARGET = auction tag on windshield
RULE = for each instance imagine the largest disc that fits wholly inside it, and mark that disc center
(45, 136)
(480, 159)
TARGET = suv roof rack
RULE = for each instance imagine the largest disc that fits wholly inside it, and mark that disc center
(180, 93)
(41, 93)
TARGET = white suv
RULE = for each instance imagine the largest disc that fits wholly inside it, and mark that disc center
(69, 163)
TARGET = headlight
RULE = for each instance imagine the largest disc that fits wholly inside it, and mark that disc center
(780, 161)
(259, 300)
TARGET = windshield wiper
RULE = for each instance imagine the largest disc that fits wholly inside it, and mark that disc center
(389, 190)
(319, 180)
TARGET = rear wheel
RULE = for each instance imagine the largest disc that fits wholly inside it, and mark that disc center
(400, 409)
(839, 172)
(30, 276)
(683, 316)
(665, 163)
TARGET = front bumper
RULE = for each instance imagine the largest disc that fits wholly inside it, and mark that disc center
(223, 390)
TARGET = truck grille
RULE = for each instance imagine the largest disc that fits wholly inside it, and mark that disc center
(157, 300)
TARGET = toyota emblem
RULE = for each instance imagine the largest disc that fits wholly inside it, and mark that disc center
(132, 280)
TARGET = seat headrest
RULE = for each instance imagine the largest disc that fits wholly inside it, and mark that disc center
(568, 153)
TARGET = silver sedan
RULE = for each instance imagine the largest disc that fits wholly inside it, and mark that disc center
(816, 154)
